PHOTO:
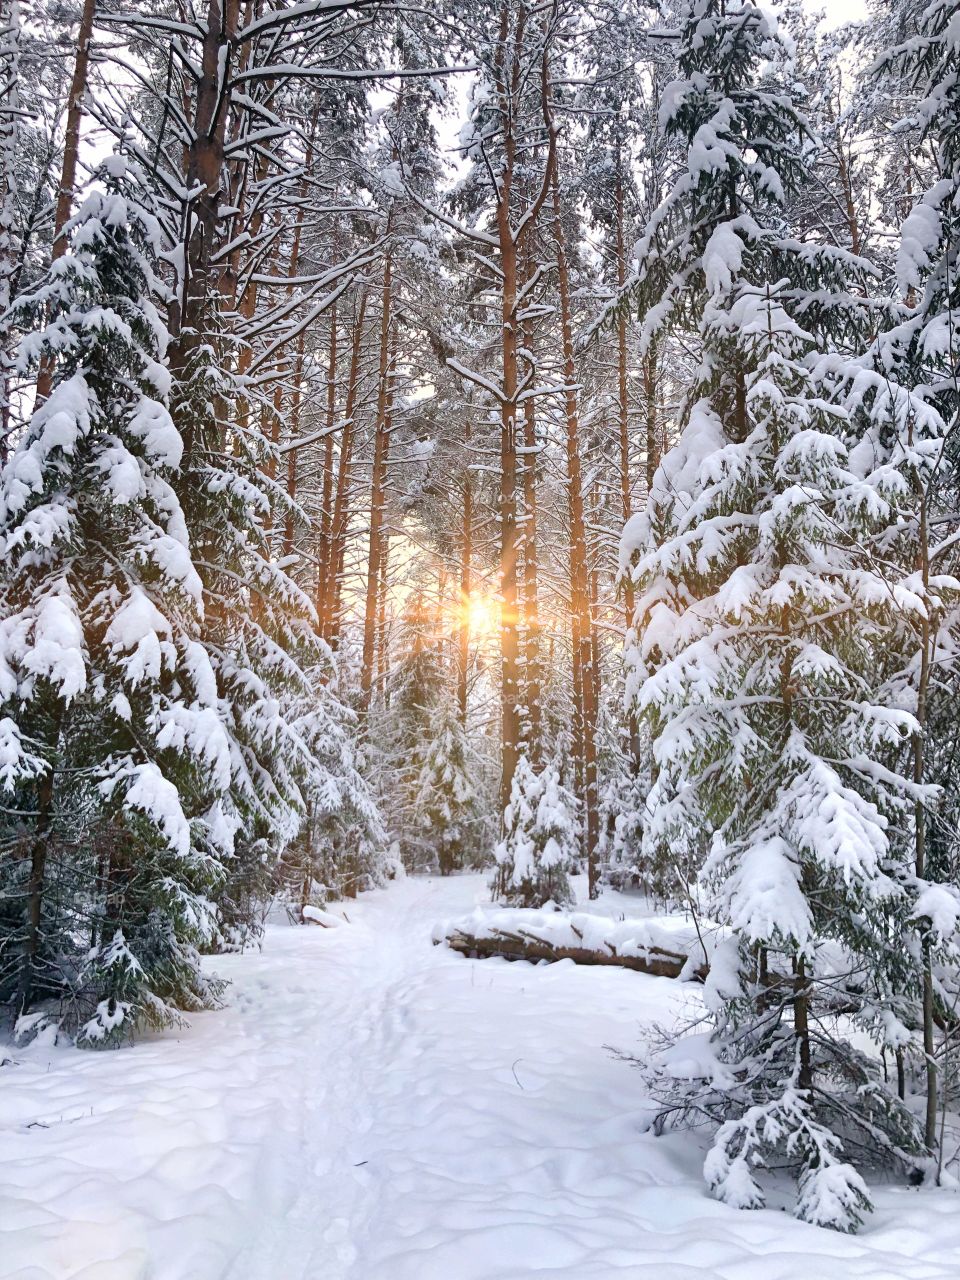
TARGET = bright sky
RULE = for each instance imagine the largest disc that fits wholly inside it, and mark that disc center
(838, 11)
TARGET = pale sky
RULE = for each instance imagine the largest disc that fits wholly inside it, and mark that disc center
(838, 11)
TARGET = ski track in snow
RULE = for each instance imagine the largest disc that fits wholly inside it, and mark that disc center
(370, 1107)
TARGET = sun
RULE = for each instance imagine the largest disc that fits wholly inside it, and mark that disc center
(482, 615)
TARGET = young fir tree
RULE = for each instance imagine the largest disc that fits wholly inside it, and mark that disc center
(417, 687)
(446, 797)
(763, 625)
(540, 842)
(115, 755)
(621, 850)
(338, 849)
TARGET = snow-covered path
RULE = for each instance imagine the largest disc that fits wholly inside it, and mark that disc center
(370, 1107)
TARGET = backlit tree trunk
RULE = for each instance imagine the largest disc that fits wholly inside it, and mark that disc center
(328, 591)
(378, 486)
(326, 502)
(466, 552)
(583, 661)
(531, 608)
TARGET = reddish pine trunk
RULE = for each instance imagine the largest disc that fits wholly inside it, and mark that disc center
(378, 487)
(583, 659)
(329, 590)
(623, 411)
(295, 404)
(326, 502)
(531, 609)
(510, 726)
(466, 551)
(71, 150)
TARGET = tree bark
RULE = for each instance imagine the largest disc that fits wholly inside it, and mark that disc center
(466, 552)
(583, 662)
(190, 320)
(35, 888)
(623, 423)
(532, 728)
(329, 591)
(927, 635)
(377, 490)
(71, 150)
(510, 726)
(623, 408)
(801, 1026)
(326, 501)
(296, 401)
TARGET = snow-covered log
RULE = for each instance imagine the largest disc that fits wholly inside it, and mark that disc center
(667, 947)
(316, 915)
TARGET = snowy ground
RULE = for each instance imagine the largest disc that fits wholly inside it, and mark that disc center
(370, 1107)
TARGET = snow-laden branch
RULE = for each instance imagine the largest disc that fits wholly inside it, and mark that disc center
(477, 379)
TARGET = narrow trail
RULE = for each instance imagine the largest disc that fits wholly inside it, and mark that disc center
(371, 1107)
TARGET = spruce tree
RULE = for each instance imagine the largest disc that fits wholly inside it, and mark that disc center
(763, 625)
(540, 840)
(446, 797)
(115, 752)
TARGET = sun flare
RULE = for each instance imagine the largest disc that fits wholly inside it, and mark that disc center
(483, 616)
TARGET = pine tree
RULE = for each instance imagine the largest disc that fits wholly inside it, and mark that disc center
(766, 613)
(540, 843)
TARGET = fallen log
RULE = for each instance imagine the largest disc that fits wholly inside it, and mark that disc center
(524, 946)
(664, 947)
(519, 944)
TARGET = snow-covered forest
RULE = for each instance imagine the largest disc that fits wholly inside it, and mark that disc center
(479, 624)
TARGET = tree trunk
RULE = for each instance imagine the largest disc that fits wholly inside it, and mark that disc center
(846, 183)
(801, 1025)
(583, 663)
(511, 80)
(377, 490)
(466, 552)
(35, 887)
(928, 632)
(68, 173)
(594, 579)
(623, 409)
(329, 591)
(532, 729)
(295, 404)
(326, 511)
(190, 321)
(382, 590)
(623, 423)
(509, 612)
